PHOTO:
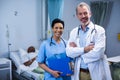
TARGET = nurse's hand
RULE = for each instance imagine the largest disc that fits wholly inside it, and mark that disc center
(56, 74)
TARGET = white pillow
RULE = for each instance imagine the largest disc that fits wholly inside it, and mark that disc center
(23, 55)
(22, 52)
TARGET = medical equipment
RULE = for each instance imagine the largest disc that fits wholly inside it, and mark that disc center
(51, 42)
(93, 30)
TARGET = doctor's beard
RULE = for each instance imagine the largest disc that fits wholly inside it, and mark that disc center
(85, 23)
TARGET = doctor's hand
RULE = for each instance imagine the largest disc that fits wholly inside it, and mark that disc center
(88, 48)
(72, 44)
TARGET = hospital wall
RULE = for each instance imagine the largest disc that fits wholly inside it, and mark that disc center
(112, 30)
(24, 21)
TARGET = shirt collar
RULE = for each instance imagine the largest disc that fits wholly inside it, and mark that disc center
(89, 26)
(86, 29)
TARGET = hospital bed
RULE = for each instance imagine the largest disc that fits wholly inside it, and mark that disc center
(22, 72)
(115, 67)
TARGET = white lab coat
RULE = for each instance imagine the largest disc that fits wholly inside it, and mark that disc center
(96, 59)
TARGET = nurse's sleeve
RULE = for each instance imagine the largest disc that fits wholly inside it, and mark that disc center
(41, 54)
(74, 51)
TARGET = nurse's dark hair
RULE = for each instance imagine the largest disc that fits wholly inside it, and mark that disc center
(57, 20)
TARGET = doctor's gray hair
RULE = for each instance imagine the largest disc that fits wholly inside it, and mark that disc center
(83, 4)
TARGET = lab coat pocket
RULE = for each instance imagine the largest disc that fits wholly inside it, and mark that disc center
(90, 40)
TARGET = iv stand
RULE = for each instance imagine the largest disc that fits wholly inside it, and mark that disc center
(8, 35)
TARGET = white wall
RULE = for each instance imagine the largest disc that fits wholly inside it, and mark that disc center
(113, 45)
(69, 15)
(24, 27)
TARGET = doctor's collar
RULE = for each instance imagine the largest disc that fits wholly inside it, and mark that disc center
(86, 28)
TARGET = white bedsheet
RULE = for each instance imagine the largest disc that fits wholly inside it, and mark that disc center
(16, 60)
(22, 68)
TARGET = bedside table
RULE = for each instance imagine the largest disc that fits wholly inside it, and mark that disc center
(5, 69)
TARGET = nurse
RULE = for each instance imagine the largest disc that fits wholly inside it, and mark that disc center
(50, 48)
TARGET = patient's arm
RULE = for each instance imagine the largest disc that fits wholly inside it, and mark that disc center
(28, 63)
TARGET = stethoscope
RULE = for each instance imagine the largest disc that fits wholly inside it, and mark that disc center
(52, 43)
(93, 30)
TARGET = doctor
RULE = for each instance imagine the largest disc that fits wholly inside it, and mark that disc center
(87, 45)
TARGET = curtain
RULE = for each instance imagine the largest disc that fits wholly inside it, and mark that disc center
(55, 10)
(101, 11)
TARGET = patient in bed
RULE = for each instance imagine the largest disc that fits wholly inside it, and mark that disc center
(31, 56)
(29, 60)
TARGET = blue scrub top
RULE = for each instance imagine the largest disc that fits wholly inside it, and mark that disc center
(47, 51)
